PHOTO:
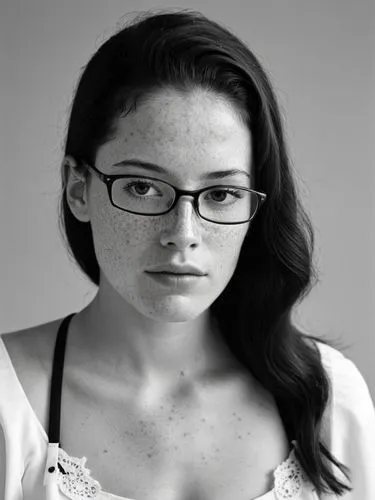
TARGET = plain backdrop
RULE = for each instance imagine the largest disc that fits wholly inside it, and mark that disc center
(320, 57)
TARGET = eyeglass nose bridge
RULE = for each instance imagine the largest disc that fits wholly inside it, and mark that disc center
(178, 193)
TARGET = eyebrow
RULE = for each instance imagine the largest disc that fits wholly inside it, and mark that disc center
(219, 174)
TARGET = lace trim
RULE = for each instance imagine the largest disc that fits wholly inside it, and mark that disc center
(289, 479)
(74, 479)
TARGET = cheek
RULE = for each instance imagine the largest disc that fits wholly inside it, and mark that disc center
(230, 248)
(223, 249)
(119, 237)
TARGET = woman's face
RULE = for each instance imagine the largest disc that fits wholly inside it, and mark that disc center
(189, 136)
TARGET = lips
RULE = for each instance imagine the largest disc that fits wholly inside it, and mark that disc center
(176, 282)
(170, 268)
(175, 274)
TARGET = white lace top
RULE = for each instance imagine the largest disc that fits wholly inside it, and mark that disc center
(27, 458)
(74, 480)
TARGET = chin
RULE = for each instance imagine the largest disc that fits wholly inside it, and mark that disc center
(174, 310)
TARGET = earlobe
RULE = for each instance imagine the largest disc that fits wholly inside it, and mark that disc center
(76, 189)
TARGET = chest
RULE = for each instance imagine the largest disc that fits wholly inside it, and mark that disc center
(222, 442)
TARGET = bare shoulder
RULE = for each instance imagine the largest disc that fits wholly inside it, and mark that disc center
(31, 345)
(31, 352)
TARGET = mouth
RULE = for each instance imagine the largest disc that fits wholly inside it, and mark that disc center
(174, 274)
(176, 280)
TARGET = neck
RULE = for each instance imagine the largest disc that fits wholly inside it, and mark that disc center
(121, 345)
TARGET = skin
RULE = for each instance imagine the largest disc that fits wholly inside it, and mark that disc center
(135, 330)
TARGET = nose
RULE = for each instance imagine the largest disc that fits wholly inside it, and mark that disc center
(181, 228)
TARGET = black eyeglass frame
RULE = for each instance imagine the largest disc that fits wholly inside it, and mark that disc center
(110, 179)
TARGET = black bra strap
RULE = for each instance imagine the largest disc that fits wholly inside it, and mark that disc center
(56, 382)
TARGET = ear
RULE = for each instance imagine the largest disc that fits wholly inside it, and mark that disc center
(76, 188)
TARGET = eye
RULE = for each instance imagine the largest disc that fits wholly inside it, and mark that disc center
(129, 185)
(235, 193)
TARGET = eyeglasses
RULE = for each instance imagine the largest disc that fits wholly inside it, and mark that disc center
(219, 204)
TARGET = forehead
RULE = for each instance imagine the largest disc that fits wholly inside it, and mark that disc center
(172, 127)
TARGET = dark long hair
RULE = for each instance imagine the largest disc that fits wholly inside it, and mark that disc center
(275, 271)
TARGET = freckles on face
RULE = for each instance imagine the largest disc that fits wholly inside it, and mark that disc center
(187, 137)
(128, 243)
(119, 237)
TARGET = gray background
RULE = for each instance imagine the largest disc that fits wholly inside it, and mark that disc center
(320, 56)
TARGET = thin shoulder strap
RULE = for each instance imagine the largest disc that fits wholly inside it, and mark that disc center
(56, 383)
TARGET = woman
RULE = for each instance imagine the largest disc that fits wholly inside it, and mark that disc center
(184, 378)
